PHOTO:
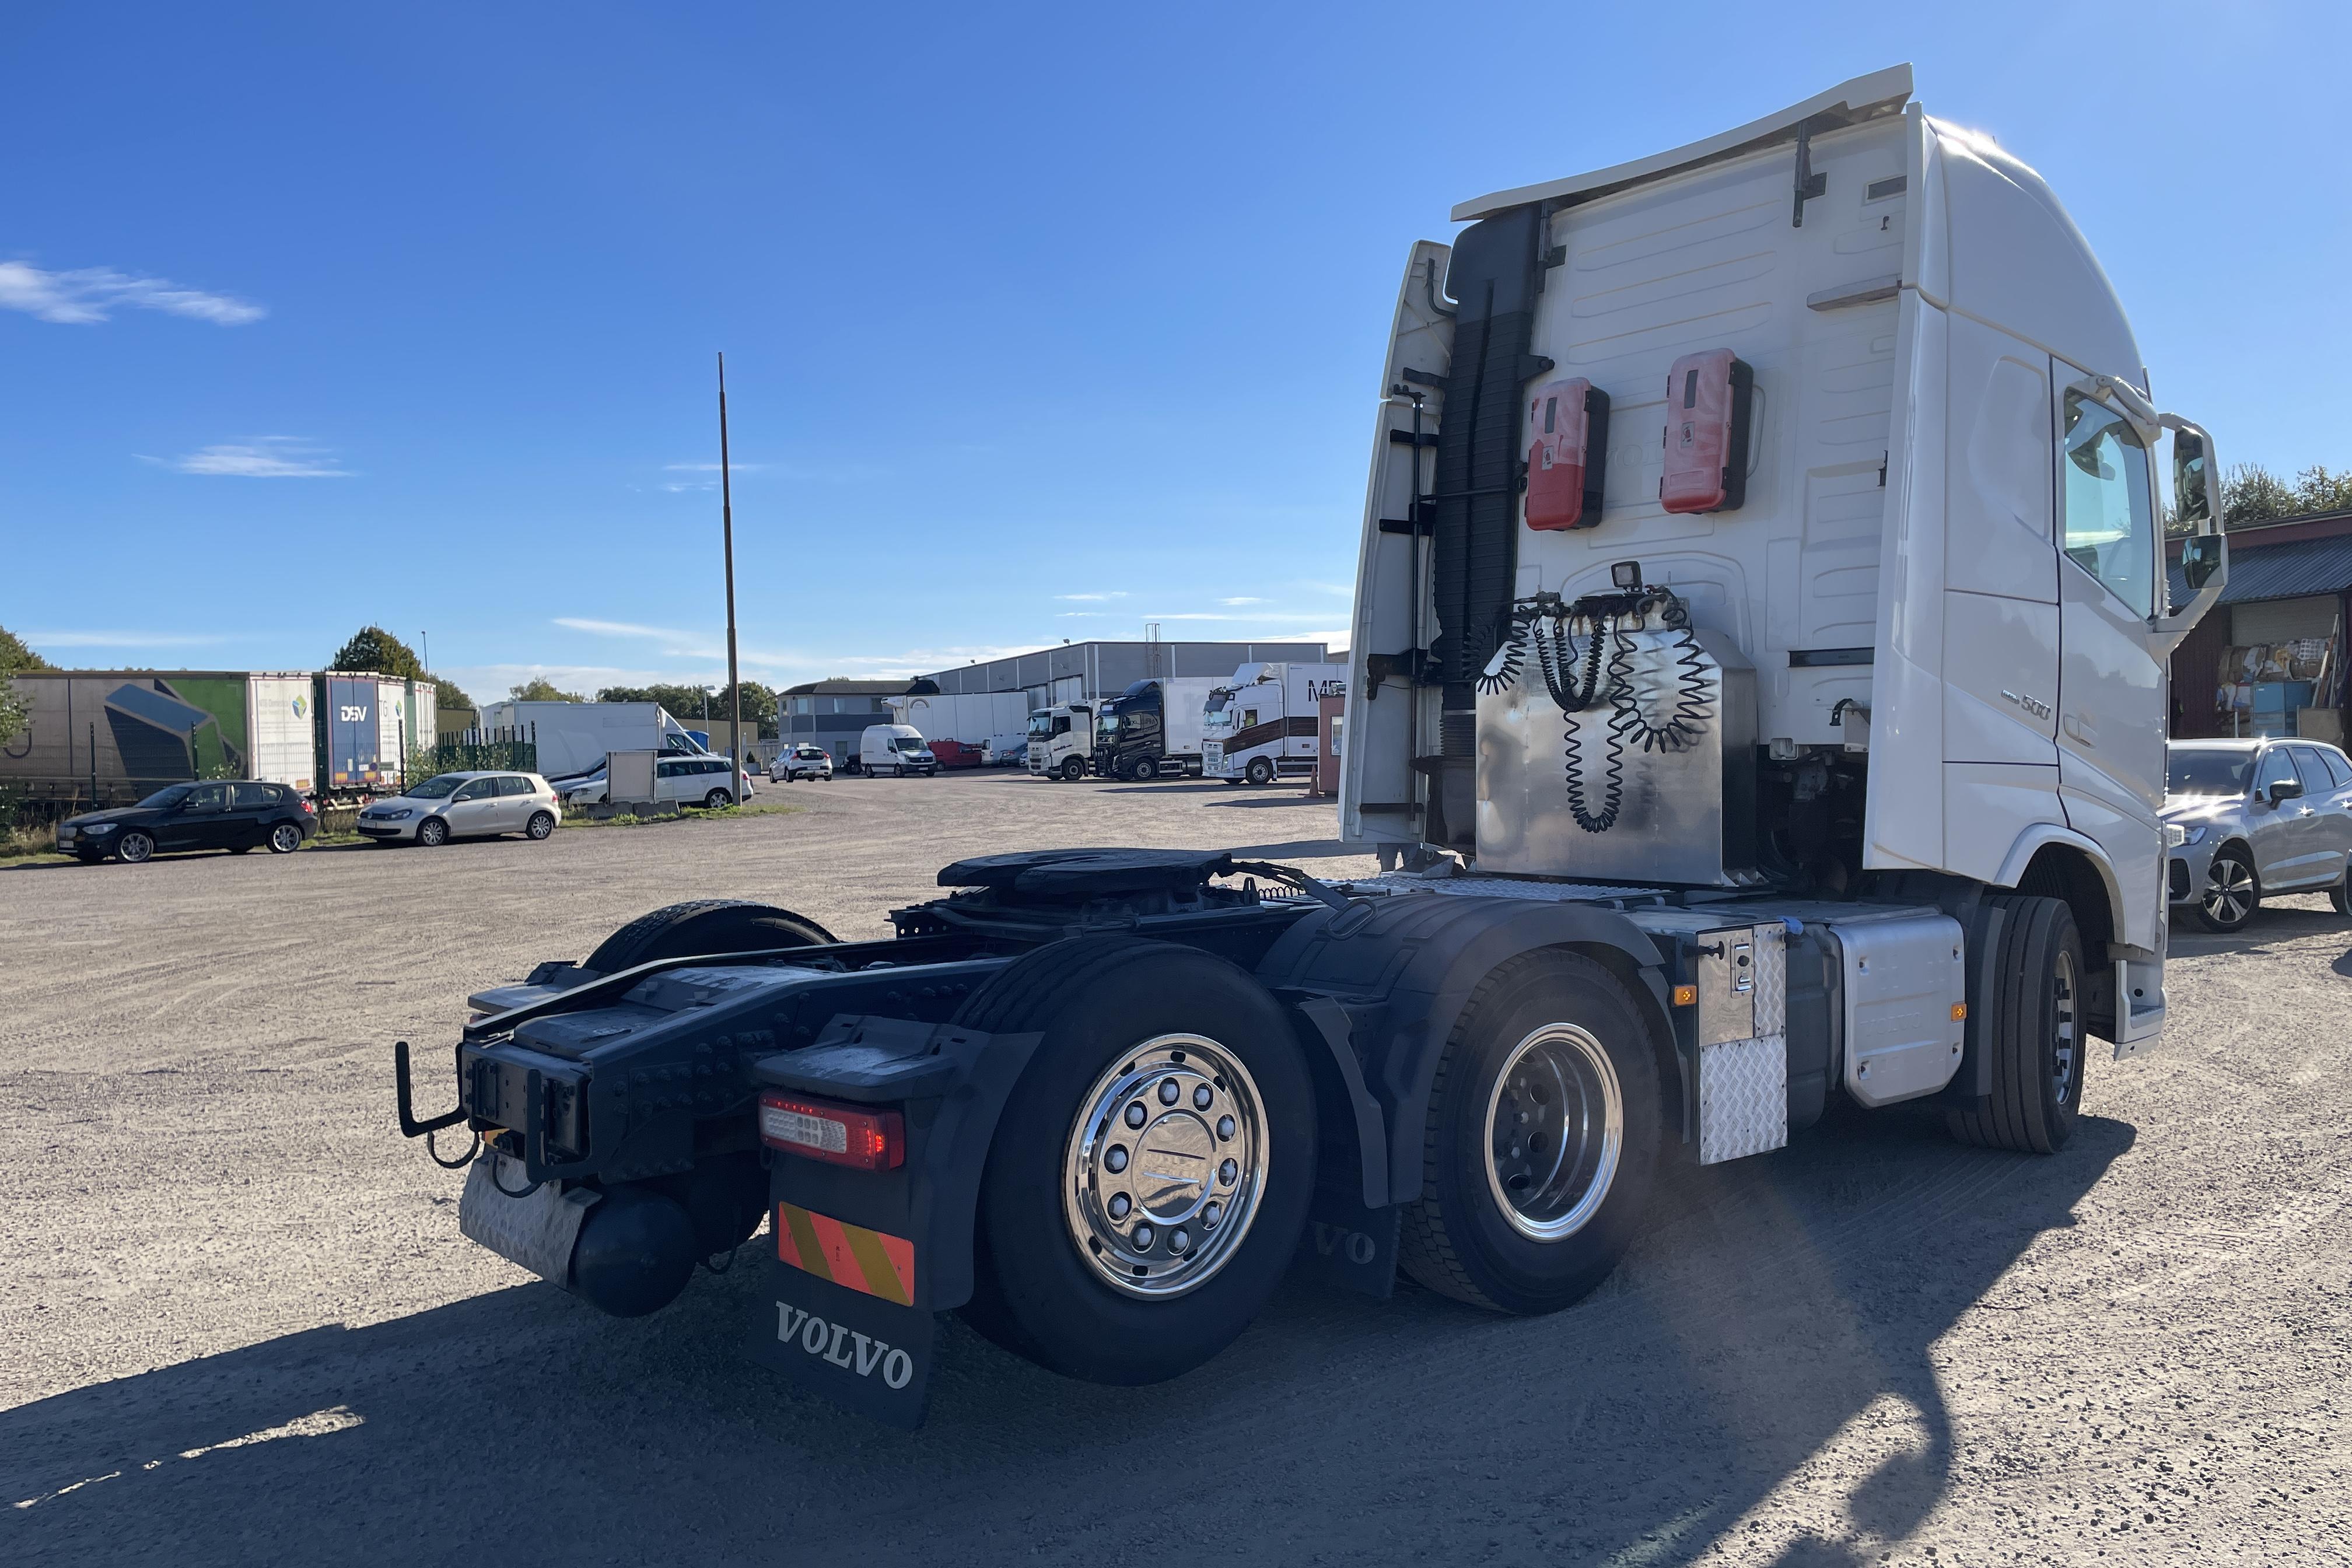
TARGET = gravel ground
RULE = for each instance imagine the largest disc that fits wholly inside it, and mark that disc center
(237, 1323)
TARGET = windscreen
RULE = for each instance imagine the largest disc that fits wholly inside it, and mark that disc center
(907, 743)
(2207, 769)
(1041, 723)
(439, 787)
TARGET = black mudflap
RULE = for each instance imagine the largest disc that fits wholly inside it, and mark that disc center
(1350, 1245)
(863, 1353)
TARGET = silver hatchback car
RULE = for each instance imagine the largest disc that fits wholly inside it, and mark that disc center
(2249, 818)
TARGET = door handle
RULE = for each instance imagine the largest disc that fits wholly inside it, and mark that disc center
(2078, 732)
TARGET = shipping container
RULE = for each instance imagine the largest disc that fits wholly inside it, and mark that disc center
(280, 710)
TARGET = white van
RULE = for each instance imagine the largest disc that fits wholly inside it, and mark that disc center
(895, 749)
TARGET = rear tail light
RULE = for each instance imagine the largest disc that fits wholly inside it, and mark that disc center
(310, 808)
(837, 1134)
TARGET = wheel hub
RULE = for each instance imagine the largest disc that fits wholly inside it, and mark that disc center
(2065, 1046)
(1164, 1166)
(1555, 1132)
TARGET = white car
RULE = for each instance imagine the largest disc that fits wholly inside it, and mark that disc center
(706, 782)
(801, 762)
(464, 806)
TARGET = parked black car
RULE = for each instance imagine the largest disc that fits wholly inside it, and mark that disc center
(235, 815)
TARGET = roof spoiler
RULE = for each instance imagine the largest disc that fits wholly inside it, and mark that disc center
(1872, 97)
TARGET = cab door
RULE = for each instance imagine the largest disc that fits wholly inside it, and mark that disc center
(2110, 681)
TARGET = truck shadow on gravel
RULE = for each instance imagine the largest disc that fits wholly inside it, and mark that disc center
(1776, 1327)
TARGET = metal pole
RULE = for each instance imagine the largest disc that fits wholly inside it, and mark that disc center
(727, 529)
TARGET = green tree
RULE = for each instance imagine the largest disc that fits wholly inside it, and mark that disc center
(374, 649)
(539, 688)
(15, 657)
(685, 703)
(2318, 490)
(448, 693)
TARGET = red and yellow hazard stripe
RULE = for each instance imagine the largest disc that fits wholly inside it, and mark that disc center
(869, 1260)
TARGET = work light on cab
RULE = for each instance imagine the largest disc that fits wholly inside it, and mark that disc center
(838, 1134)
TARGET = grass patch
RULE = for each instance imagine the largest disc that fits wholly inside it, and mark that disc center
(30, 843)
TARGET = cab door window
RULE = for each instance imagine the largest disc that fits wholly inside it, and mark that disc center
(2109, 511)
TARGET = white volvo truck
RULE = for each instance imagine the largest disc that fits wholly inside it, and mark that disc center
(1758, 685)
(1265, 723)
(1061, 740)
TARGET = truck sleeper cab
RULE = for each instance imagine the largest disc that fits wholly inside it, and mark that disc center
(1690, 831)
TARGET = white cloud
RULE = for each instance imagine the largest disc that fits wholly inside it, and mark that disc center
(617, 628)
(1088, 598)
(120, 639)
(87, 294)
(269, 457)
(1241, 601)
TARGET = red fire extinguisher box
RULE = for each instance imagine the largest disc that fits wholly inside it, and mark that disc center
(1568, 449)
(1708, 399)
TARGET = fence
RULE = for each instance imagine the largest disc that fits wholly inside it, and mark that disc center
(507, 746)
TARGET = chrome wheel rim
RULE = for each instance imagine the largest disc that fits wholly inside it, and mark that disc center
(1164, 1166)
(432, 833)
(542, 826)
(285, 838)
(2067, 1039)
(2230, 891)
(135, 847)
(1555, 1133)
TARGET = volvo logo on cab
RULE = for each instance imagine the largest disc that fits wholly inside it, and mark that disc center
(843, 1346)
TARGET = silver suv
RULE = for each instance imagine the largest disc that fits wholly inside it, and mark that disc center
(2249, 818)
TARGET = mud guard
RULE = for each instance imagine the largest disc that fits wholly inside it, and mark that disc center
(1400, 969)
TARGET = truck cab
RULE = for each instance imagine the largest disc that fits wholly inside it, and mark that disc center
(1851, 386)
(1061, 740)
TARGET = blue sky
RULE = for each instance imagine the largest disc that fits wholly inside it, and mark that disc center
(1040, 323)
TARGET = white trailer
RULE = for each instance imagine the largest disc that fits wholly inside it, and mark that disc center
(281, 725)
(969, 719)
(1796, 735)
(575, 737)
(1264, 724)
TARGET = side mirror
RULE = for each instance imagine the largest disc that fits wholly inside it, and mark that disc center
(2201, 557)
(2192, 498)
(2286, 789)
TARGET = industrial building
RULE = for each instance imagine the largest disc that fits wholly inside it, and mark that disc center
(834, 713)
(2269, 661)
(1078, 670)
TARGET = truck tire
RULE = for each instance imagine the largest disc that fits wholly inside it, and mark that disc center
(1089, 1273)
(705, 926)
(2038, 1041)
(1073, 769)
(1146, 770)
(1261, 771)
(1544, 1127)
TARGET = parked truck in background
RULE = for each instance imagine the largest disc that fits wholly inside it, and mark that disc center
(1061, 740)
(1152, 728)
(575, 737)
(1795, 735)
(1266, 722)
(968, 719)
